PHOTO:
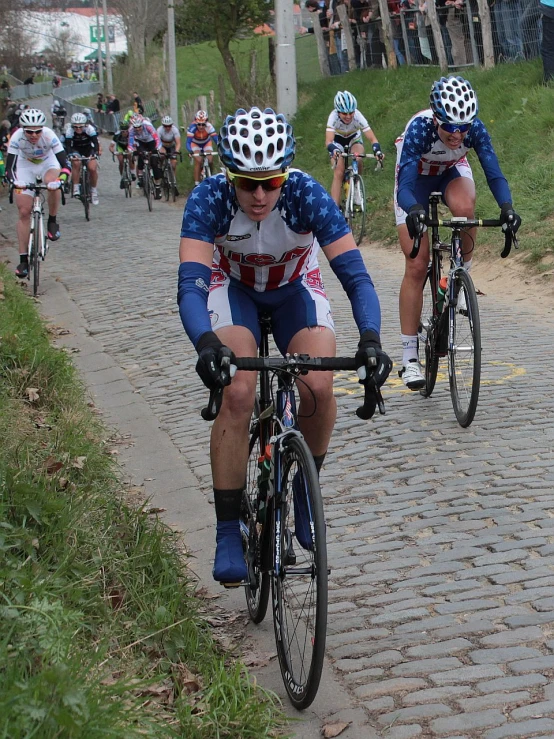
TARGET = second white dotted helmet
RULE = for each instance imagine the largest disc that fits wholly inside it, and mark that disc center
(256, 141)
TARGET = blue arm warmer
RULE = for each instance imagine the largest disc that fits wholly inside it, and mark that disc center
(192, 298)
(349, 267)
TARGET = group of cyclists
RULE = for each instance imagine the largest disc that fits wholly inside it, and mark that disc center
(250, 241)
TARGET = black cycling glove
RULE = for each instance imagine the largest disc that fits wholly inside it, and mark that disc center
(370, 346)
(214, 361)
(509, 218)
(415, 220)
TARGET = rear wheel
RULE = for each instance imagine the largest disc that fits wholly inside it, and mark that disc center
(356, 208)
(128, 180)
(426, 335)
(299, 580)
(464, 349)
(172, 183)
(257, 588)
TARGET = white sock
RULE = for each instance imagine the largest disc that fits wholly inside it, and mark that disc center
(409, 348)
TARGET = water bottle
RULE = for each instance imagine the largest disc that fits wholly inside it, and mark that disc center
(264, 465)
(441, 293)
(346, 185)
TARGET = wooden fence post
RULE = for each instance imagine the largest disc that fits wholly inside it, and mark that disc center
(486, 30)
(321, 48)
(345, 22)
(388, 36)
(437, 35)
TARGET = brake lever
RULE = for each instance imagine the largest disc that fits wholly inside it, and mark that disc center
(508, 241)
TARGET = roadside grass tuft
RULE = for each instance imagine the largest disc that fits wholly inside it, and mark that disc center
(102, 633)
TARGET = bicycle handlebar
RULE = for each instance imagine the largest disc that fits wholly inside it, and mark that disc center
(372, 394)
(36, 186)
(349, 155)
(204, 154)
(510, 238)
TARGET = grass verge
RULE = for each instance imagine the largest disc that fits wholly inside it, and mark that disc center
(102, 634)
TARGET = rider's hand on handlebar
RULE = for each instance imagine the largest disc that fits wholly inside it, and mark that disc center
(369, 348)
(54, 185)
(377, 151)
(214, 361)
(509, 218)
(334, 149)
(415, 220)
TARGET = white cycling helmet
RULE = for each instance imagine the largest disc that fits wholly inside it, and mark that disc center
(56, 103)
(256, 141)
(87, 111)
(79, 119)
(136, 121)
(167, 120)
(32, 117)
(345, 102)
(453, 100)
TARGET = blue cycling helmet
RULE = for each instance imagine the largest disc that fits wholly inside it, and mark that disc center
(256, 141)
(453, 100)
(345, 102)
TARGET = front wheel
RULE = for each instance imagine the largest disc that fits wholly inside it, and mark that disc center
(148, 188)
(356, 208)
(37, 251)
(299, 578)
(85, 193)
(464, 349)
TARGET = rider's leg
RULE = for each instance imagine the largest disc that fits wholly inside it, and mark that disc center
(358, 149)
(197, 169)
(120, 163)
(24, 205)
(92, 167)
(460, 198)
(410, 305)
(229, 458)
(54, 197)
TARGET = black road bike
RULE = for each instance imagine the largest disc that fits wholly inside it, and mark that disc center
(169, 182)
(450, 325)
(353, 198)
(282, 519)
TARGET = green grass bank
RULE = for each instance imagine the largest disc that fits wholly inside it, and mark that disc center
(102, 634)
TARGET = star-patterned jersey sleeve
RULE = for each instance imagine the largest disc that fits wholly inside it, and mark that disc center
(479, 139)
(419, 137)
(208, 211)
(308, 207)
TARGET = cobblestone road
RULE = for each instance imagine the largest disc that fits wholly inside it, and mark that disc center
(441, 540)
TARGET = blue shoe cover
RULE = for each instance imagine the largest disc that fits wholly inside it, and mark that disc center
(229, 564)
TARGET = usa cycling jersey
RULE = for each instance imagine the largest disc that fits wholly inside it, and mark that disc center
(200, 135)
(268, 254)
(38, 151)
(143, 135)
(347, 133)
(420, 152)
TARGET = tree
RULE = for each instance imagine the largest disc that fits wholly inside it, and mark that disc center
(17, 43)
(143, 20)
(61, 50)
(229, 20)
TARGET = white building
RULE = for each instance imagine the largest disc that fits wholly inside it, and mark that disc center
(78, 25)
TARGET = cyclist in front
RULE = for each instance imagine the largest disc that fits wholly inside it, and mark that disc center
(144, 137)
(171, 141)
(249, 243)
(81, 140)
(120, 145)
(59, 114)
(201, 136)
(432, 158)
(35, 151)
(345, 126)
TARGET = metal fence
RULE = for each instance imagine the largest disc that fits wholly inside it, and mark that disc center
(515, 26)
(69, 90)
(106, 122)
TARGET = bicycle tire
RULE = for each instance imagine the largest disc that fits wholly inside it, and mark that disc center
(257, 587)
(148, 188)
(464, 351)
(172, 183)
(299, 580)
(426, 335)
(35, 256)
(85, 191)
(356, 213)
(128, 180)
